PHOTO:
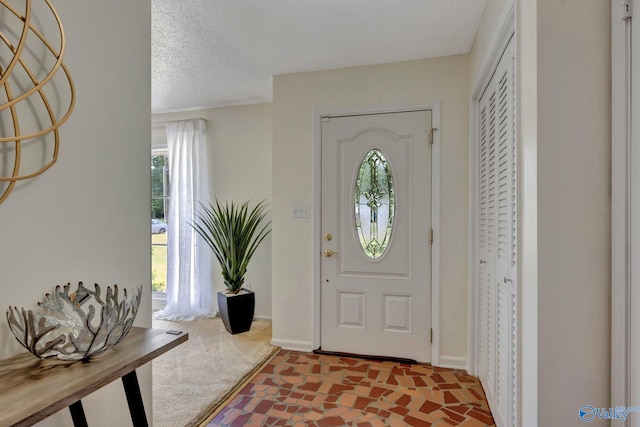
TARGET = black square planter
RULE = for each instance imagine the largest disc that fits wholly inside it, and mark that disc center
(237, 311)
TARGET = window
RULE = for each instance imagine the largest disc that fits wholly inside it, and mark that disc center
(374, 204)
(159, 227)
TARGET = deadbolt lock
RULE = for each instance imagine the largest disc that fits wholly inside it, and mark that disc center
(328, 237)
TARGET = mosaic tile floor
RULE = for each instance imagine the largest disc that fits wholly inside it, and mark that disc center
(304, 389)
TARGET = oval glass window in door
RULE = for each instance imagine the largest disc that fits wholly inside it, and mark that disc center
(374, 204)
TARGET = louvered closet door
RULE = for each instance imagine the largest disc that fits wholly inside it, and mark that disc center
(497, 242)
(487, 239)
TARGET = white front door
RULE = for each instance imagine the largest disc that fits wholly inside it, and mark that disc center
(376, 223)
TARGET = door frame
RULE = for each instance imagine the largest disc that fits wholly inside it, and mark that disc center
(434, 106)
(625, 189)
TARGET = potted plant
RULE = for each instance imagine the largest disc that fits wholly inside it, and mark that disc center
(234, 232)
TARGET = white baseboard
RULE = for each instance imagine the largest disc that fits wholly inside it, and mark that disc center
(454, 362)
(294, 345)
(261, 317)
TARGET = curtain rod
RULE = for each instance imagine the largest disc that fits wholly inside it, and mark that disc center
(164, 122)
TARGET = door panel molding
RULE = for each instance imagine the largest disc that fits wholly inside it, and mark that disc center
(434, 107)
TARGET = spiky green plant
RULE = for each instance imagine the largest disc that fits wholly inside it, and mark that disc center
(233, 232)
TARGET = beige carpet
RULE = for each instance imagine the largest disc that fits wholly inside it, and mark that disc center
(193, 379)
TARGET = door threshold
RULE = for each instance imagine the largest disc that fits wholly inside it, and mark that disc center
(368, 357)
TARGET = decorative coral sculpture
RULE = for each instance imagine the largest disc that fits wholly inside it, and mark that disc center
(75, 326)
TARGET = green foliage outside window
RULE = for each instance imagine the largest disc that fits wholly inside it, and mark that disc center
(159, 207)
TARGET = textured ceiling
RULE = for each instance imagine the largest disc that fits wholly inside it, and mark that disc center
(210, 53)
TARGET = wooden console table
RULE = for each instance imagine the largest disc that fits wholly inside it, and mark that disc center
(32, 389)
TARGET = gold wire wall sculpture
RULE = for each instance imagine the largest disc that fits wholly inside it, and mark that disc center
(28, 113)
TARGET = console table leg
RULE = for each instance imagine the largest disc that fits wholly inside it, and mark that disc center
(134, 399)
(77, 414)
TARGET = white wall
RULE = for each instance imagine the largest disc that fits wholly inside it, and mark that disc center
(87, 218)
(296, 97)
(239, 151)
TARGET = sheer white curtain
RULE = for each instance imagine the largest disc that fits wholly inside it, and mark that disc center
(189, 287)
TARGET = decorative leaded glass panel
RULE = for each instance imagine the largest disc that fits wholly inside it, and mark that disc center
(374, 204)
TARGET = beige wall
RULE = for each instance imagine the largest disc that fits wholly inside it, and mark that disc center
(239, 151)
(296, 97)
(574, 184)
(87, 218)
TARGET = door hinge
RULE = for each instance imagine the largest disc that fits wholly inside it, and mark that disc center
(431, 135)
(431, 236)
(431, 335)
(627, 9)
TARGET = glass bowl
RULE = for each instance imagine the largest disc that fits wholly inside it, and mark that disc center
(75, 326)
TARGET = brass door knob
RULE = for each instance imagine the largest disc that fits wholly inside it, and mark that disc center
(329, 253)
